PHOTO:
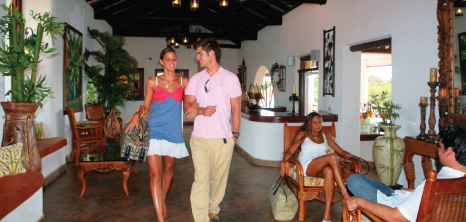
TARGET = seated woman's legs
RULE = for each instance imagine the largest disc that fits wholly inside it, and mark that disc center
(316, 165)
(366, 188)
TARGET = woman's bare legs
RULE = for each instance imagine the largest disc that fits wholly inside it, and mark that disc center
(168, 163)
(155, 165)
(328, 168)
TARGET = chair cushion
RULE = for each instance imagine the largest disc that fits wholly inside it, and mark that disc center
(308, 181)
(40, 133)
(10, 160)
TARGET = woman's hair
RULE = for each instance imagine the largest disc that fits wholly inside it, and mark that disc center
(307, 123)
(165, 50)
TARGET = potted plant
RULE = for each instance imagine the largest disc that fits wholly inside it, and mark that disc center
(275, 68)
(110, 77)
(388, 150)
(17, 57)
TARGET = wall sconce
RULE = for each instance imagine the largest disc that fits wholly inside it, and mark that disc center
(176, 3)
(223, 3)
(194, 5)
(459, 11)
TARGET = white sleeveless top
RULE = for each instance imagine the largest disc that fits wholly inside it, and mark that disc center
(311, 150)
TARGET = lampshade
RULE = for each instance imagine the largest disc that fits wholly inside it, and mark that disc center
(176, 3)
(223, 3)
(194, 5)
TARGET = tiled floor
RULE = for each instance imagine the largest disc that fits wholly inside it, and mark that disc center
(104, 199)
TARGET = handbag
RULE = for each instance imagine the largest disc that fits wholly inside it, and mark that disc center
(135, 144)
(282, 200)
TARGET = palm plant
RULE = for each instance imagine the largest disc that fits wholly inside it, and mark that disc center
(22, 53)
(110, 77)
(386, 108)
(73, 69)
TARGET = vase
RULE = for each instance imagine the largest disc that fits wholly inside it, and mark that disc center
(19, 128)
(388, 151)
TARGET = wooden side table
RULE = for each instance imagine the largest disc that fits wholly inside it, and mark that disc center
(427, 149)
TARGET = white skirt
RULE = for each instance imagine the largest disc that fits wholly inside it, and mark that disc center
(165, 148)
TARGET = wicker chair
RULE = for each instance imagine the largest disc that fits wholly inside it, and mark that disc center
(113, 124)
(309, 188)
(85, 138)
(442, 200)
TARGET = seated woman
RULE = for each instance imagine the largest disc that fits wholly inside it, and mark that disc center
(315, 160)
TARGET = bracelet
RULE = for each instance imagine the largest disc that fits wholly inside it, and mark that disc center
(236, 134)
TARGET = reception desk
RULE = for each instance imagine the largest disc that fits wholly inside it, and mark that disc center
(261, 140)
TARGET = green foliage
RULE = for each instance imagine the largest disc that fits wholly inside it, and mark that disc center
(385, 108)
(274, 67)
(91, 95)
(22, 52)
(110, 77)
(376, 86)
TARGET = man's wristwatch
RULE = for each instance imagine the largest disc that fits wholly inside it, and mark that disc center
(236, 134)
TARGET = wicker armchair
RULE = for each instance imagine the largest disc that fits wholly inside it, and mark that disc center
(85, 137)
(112, 124)
(442, 200)
(309, 188)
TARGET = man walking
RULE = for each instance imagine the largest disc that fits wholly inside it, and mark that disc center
(217, 93)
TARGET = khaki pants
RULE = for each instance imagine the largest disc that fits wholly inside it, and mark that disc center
(211, 158)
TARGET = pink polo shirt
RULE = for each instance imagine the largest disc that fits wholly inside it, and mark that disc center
(222, 86)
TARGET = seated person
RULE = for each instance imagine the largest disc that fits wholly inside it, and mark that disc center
(403, 205)
(315, 160)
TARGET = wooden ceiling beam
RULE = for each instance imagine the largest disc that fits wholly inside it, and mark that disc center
(222, 20)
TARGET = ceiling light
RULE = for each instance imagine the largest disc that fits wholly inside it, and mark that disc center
(172, 40)
(177, 45)
(223, 3)
(185, 40)
(194, 5)
(176, 3)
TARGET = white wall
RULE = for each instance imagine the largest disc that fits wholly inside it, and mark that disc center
(78, 14)
(147, 53)
(412, 25)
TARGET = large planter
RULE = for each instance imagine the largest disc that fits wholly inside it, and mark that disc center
(19, 128)
(388, 154)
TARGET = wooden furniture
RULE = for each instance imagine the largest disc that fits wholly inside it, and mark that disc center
(307, 193)
(113, 124)
(442, 200)
(85, 137)
(427, 149)
(104, 162)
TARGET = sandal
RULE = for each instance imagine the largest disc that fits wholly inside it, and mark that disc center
(214, 218)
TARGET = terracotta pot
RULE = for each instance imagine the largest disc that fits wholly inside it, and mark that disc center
(19, 128)
(388, 154)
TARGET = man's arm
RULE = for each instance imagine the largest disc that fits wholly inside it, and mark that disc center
(189, 102)
(382, 211)
(235, 114)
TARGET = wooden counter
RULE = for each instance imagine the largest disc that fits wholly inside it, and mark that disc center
(280, 117)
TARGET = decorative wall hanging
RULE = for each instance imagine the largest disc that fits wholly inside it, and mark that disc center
(329, 62)
(462, 60)
(73, 69)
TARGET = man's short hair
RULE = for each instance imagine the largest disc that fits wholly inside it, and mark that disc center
(455, 137)
(210, 44)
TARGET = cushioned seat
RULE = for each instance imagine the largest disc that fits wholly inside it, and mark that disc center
(16, 189)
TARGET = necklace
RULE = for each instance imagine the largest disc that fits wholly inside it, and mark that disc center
(315, 137)
(166, 81)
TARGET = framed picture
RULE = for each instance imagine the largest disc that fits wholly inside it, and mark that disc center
(329, 62)
(462, 60)
(137, 84)
(72, 69)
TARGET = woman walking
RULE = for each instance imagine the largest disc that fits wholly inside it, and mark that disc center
(164, 95)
